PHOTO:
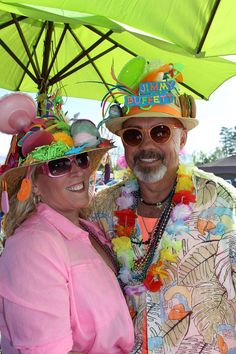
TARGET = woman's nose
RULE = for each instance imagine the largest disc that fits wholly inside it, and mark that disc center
(75, 168)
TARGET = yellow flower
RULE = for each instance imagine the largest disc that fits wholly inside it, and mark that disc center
(167, 255)
(182, 170)
(184, 184)
(121, 244)
(185, 169)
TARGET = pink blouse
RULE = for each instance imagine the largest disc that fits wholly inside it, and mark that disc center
(56, 292)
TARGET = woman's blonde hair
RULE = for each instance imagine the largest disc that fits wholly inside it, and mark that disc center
(19, 211)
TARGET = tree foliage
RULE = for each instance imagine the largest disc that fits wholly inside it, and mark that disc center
(227, 148)
(200, 158)
(228, 140)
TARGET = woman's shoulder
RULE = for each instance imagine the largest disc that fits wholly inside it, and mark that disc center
(34, 237)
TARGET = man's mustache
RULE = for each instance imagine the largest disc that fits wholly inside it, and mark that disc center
(148, 155)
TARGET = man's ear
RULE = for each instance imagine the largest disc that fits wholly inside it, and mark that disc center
(183, 138)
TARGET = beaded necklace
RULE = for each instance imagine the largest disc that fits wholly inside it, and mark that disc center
(141, 265)
(105, 248)
(157, 204)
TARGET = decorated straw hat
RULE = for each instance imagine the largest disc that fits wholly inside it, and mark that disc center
(38, 139)
(148, 90)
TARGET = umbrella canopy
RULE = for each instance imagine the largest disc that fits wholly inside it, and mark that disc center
(72, 44)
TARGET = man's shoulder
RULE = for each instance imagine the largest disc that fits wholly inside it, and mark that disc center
(104, 200)
(110, 189)
(219, 182)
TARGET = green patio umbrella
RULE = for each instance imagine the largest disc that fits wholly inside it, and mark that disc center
(71, 44)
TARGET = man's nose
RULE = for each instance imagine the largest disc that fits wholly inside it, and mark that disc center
(146, 140)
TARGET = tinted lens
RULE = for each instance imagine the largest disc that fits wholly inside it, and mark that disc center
(59, 167)
(132, 137)
(160, 134)
(82, 160)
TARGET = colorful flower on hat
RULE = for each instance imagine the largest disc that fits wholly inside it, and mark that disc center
(105, 143)
(48, 152)
(65, 138)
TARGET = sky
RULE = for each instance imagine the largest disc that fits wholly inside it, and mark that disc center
(219, 111)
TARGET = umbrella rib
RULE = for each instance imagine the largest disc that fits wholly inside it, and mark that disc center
(56, 51)
(47, 44)
(95, 30)
(11, 22)
(56, 79)
(207, 28)
(89, 58)
(193, 90)
(79, 57)
(12, 54)
(33, 53)
(26, 46)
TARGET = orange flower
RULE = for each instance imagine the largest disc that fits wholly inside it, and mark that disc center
(123, 230)
(155, 276)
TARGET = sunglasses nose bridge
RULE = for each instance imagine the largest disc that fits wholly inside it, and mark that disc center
(74, 164)
(146, 136)
(80, 163)
(75, 169)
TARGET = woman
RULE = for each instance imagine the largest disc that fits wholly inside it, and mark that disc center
(58, 288)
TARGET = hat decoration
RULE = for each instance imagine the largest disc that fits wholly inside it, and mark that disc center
(146, 87)
(37, 139)
(4, 198)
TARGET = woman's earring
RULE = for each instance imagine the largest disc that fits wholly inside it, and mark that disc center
(37, 199)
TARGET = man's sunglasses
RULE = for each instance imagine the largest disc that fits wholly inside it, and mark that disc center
(63, 166)
(160, 134)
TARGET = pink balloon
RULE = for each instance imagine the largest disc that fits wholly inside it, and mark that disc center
(17, 111)
(19, 120)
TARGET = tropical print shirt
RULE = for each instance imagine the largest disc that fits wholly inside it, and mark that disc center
(195, 309)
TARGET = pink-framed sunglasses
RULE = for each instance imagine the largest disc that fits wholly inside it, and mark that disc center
(61, 167)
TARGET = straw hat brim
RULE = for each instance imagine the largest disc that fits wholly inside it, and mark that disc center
(14, 176)
(116, 123)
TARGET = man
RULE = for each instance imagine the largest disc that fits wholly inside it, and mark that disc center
(172, 226)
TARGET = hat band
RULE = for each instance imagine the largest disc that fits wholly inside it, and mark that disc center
(166, 109)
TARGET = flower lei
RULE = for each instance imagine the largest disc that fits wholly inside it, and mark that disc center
(125, 229)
